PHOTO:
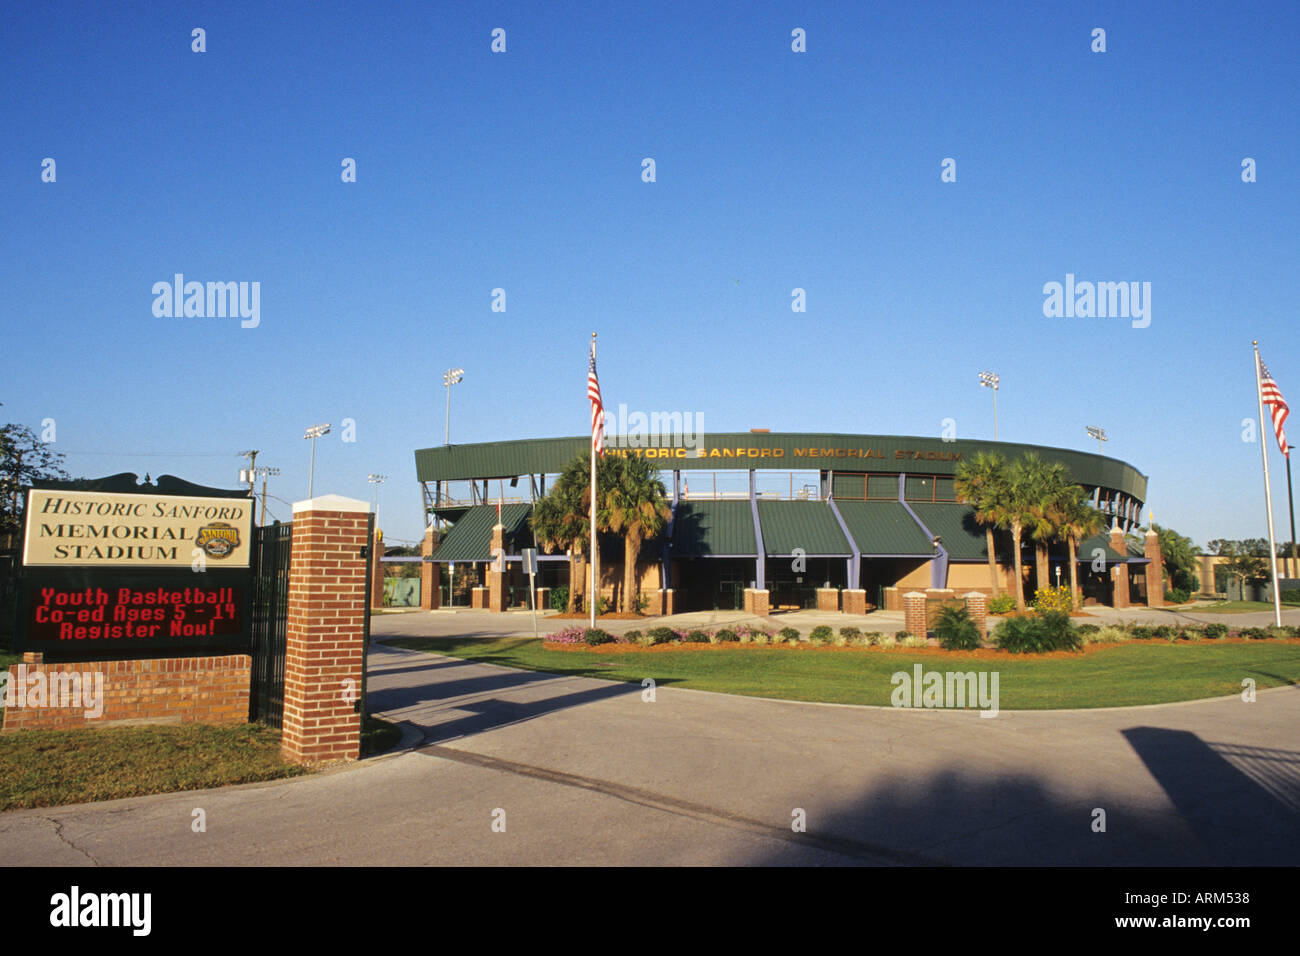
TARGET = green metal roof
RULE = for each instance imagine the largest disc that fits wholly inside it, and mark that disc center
(713, 528)
(470, 538)
(1102, 541)
(962, 536)
(769, 450)
(884, 527)
(809, 525)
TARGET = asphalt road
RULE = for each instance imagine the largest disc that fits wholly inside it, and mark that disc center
(583, 771)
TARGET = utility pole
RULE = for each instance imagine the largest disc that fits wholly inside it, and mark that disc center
(251, 472)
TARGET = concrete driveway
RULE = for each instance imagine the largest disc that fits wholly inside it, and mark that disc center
(584, 771)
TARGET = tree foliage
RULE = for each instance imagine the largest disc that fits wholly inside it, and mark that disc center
(24, 458)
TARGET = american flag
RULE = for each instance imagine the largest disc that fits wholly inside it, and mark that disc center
(597, 407)
(1272, 397)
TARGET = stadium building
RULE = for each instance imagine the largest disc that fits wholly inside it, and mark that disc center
(814, 520)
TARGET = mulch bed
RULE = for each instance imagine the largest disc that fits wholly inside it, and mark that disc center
(983, 653)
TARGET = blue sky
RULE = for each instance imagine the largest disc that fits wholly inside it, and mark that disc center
(775, 170)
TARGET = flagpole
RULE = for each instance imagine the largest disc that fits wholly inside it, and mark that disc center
(1268, 493)
(593, 596)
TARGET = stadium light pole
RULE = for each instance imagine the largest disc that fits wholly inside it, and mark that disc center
(266, 473)
(314, 432)
(375, 480)
(449, 378)
(990, 380)
(1100, 435)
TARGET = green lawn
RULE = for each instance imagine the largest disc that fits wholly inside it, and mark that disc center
(1240, 607)
(1135, 673)
(46, 768)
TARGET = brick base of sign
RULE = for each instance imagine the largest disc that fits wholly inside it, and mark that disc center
(855, 601)
(478, 598)
(180, 690)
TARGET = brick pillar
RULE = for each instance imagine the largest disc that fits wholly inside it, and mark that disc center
(759, 601)
(1119, 574)
(377, 571)
(324, 634)
(977, 603)
(670, 601)
(497, 579)
(542, 599)
(914, 613)
(430, 573)
(828, 599)
(1155, 571)
(855, 601)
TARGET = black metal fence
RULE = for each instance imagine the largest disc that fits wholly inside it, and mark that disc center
(273, 547)
(10, 563)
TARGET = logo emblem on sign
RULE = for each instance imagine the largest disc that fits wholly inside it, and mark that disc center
(218, 539)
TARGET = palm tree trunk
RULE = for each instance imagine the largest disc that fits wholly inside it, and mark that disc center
(1040, 565)
(993, 562)
(630, 549)
(1076, 598)
(1020, 578)
(575, 578)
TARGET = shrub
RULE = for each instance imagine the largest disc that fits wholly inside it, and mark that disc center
(955, 629)
(762, 638)
(1054, 599)
(849, 633)
(1002, 604)
(697, 637)
(1050, 631)
(1105, 635)
(1088, 629)
(821, 633)
(915, 640)
(641, 603)
(789, 634)
(1192, 634)
(594, 636)
(1176, 596)
(604, 606)
(727, 636)
(631, 637)
(660, 635)
(1254, 633)
(1165, 633)
(559, 598)
(1139, 632)
(570, 635)
(1216, 632)
(901, 636)
(1291, 596)
(647, 640)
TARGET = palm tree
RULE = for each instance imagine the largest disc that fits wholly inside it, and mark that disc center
(1079, 521)
(636, 506)
(981, 483)
(1048, 482)
(1018, 510)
